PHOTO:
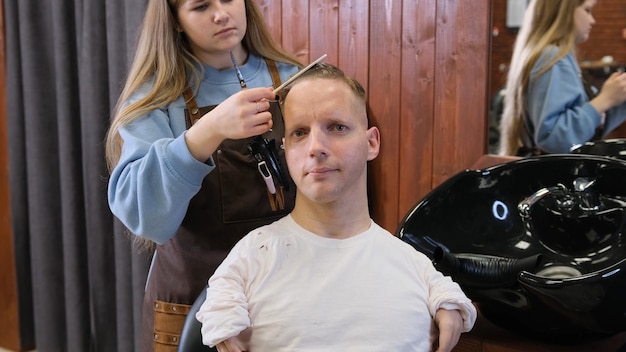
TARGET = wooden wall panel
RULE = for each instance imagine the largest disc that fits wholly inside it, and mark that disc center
(460, 86)
(272, 14)
(417, 102)
(294, 27)
(353, 43)
(324, 29)
(423, 64)
(384, 100)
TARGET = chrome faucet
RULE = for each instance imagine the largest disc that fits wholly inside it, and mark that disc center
(524, 206)
(584, 196)
(588, 199)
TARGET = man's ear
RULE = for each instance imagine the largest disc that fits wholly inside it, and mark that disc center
(373, 139)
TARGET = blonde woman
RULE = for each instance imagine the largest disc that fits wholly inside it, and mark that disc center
(548, 108)
(185, 163)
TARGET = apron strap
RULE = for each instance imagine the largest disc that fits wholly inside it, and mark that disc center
(192, 105)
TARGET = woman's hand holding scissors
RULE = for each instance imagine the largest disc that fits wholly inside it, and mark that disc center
(244, 114)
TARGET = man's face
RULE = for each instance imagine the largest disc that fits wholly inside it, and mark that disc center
(327, 142)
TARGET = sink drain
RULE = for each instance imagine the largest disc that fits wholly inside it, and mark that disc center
(559, 272)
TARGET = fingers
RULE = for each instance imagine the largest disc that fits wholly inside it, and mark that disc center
(228, 346)
(221, 347)
(262, 106)
(242, 115)
(263, 117)
(262, 122)
(257, 94)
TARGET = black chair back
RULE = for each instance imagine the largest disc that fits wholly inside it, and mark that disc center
(191, 337)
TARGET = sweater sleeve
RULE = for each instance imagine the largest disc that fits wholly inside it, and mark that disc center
(224, 313)
(559, 107)
(156, 177)
(447, 294)
(614, 118)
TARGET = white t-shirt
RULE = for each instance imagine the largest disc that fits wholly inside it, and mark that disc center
(302, 292)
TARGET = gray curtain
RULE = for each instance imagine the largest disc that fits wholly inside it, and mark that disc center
(80, 282)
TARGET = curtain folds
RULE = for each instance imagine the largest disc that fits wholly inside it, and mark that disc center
(78, 276)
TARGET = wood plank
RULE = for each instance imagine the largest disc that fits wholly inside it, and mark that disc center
(295, 28)
(461, 86)
(353, 46)
(417, 98)
(323, 35)
(384, 98)
(272, 14)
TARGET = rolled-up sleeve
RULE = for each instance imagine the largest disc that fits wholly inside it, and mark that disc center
(224, 313)
(447, 294)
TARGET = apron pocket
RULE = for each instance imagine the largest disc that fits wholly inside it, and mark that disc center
(169, 319)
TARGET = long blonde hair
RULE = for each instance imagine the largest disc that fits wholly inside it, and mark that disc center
(546, 23)
(164, 56)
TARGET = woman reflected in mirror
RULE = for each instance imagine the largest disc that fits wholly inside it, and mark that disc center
(548, 106)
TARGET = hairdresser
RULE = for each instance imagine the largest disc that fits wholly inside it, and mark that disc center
(189, 173)
(548, 107)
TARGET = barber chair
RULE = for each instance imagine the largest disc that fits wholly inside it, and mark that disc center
(191, 337)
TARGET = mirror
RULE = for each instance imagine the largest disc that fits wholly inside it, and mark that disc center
(602, 54)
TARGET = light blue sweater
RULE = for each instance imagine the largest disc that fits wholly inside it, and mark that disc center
(559, 108)
(156, 177)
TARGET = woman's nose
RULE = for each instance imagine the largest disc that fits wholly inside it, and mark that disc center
(220, 15)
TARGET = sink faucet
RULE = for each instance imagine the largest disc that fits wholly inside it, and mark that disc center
(524, 206)
(588, 199)
(584, 196)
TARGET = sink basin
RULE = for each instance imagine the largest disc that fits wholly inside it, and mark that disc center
(537, 243)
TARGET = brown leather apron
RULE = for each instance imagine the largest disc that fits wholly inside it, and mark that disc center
(233, 200)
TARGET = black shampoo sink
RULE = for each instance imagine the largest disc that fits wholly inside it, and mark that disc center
(537, 243)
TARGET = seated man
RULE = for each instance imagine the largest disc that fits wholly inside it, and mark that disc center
(326, 277)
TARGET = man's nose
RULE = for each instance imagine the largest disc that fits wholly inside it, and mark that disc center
(317, 143)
